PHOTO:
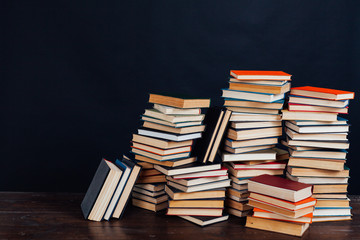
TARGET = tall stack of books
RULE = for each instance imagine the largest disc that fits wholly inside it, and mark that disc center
(197, 190)
(280, 205)
(317, 141)
(255, 98)
(165, 139)
(109, 190)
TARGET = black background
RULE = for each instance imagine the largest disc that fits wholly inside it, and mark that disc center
(75, 76)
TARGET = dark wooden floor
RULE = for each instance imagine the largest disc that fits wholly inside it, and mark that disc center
(58, 216)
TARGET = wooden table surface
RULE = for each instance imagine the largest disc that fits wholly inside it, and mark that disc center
(58, 216)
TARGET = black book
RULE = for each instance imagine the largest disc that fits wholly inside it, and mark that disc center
(216, 121)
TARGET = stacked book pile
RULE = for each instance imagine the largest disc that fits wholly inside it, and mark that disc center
(317, 141)
(165, 139)
(280, 205)
(255, 98)
(109, 190)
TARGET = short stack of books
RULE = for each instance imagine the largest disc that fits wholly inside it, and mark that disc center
(165, 139)
(255, 98)
(109, 190)
(280, 205)
(317, 141)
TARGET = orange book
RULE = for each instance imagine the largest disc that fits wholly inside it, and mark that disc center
(269, 215)
(260, 75)
(323, 93)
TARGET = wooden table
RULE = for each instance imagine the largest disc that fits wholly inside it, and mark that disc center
(58, 216)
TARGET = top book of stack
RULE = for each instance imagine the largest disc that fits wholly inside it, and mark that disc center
(260, 75)
(179, 102)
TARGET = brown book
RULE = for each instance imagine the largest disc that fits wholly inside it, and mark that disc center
(160, 143)
(176, 194)
(152, 179)
(312, 172)
(290, 228)
(320, 163)
(236, 193)
(253, 172)
(333, 203)
(317, 116)
(173, 163)
(179, 102)
(253, 104)
(195, 211)
(148, 172)
(253, 110)
(149, 206)
(330, 188)
(154, 200)
(151, 187)
(238, 213)
(259, 88)
(145, 165)
(196, 203)
(279, 187)
(254, 133)
(241, 206)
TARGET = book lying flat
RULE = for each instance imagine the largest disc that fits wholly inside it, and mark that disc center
(339, 121)
(148, 205)
(324, 93)
(261, 97)
(250, 87)
(247, 149)
(181, 130)
(176, 194)
(238, 213)
(267, 154)
(205, 221)
(195, 211)
(168, 136)
(319, 144)
(320, 163)
(253, 110)
(232, 102)
(313, 172)
(316, 136)
(311, 108)
(170, 124)
(260, 75)
(199, 203)
(318, 180)
(201, 187)
(267, 165)
(172, 118)
(324, 128)
(260, 213)
(169, 163)
(196, 181)
(242, 206)
(176, 111)
(160, 157)
(254, 133)
(330, 188)
(154, 200)
(251, 143)
(204, 174)
(319, 212)
(318, 101)
(249, 125)
(160, 143)
(317, 116)
(251, 117)
(179, 101)
(160, 151)
(151, 187)
(260, 82)
(190, 168)
(320, 153)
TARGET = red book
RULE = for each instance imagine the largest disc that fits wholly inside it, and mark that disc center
(260, 75)
(324, 93)
(279, 187)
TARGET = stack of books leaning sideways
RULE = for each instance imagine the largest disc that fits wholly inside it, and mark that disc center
(255, 99)
(109, 190)
(318, 143)
(165, 139)
(280, 205)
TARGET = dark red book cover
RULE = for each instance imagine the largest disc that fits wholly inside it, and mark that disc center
(279, 182)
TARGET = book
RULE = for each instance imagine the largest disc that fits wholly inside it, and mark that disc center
(238, 213)
(277, 202)
(135, 170)
(324, 128)
(202, 203)
(236, 186)
(312, 108)
(148, 172)
(319, 212)
(236, 116)
(331, 218)
(247, 149)
(168, 136)
(253, 142)
(160, 157)
(196, 181)
(317, 180)
(151, 187)
(154, 200)
(173, 118)
(249, 125)
(320, 163)
(190, 168)
(319, 144)
(161, 178)
(147, 192)
(242, 206)
(290, 228)
(318, 101)
(254, 87)
(176, 111)
(316, 136)
(176, 194)
(267, 154)
(253, 110)
(252, 96)
(262, 82)
(216, 121)
(318, 116)
(329, 195)
(145, 165)
(170, 163)
(161, 151)
(179, 102)
(330, 188)
(160, 143)
(279, 187)
(148, 205)
(323, 93)
(195, 211)
(200, 187)
(333, 203)
(182, 130)
(260, 75)
(204, 174)
(313, 172)
(101, 190)
(253, 172)
(260, 213)
(320, 153)
(170, 124)
(241, 194)
(204, 220)
(254, 133)
(232, 102)
(267, 165)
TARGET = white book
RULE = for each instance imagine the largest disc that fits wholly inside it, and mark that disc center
(267, 154)
(168, 136)
(254, 96)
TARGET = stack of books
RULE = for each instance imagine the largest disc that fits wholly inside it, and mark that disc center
(317, 141)
(165, 139)
(255, 98)
(280, 205)
(109, 190)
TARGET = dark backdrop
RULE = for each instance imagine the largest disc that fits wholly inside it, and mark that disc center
(75, 77)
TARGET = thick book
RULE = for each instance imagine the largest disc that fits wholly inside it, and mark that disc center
(279, 187)
(313, 172)
(318, 101)
(216, 121)
(179, 101)
(260, 213)
(161, 151)
(204, 174)
(319, 144)
(200, 187)
(261, 97)
(196, 181)
(154, 200)
(148, 205)
(253, 110)
(260, 75)
(251, 124)
(324, 93)
(101, 190)
(242, 206)
(320, 163)
(311, 108)
(195, 211)
(169, 136)
(250, 143)
(260, 82)
(323, 128)
(170, 124)
(237, 116)
(319, 212)
(330, 188)
(254, 133)
(173, 118)
(267, 154)
(317, 180)
(198, 203)
(290, 228)
(253, 87)
(176, 111)
(316, 136)
(151, 187)
(147, 192)
(253, 172)
(176, 194)
(317, 116)
(160, 143)
(247, 149)
(266, 165)
(204, 220)
(159, 157)
(135, 171)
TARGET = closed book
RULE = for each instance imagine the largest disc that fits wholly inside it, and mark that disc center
(318, 116)
(330, 188)
(172, 118)
(330, 195)
(148, 205)
(169, 136)
(179, 101)
(154, 200)
(204, 174)
(176, 194)
(251, 87)
(203, 203)
(313, 172)
(261, 97)
(320, 163)
(170, 124)
(160, 143)
(339, 121)
(254, 133)
(232, 102)
(176, 130)
(318, 101)
(148, 172)
(260, 75)
(249, 124)
(200, 187)
(196, 181)
(250, 143)
(311, 108)
(161, 151)
(169, 163)
(237, 116)
(319, 144)
(161, 178)
(238, 213)
(176, 111)
(318, 212)
(237, 193)
(267, 165)
(147, 192)
(242, 206)
(331, 218)
(216, 121)
(323, 128)
(195, 211)
(279, 187)
(247, 149)
(316, 136)
(101, 190)
(267, 154)
(320, 153)
(260, 213)
(159, 157)
(253, 110)
(151, 186)
(290, 228)
(253, 172)
(190, 168)
(333, 203)
(204, 220)
(324, 93)
(317, 180)
(260, 82)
